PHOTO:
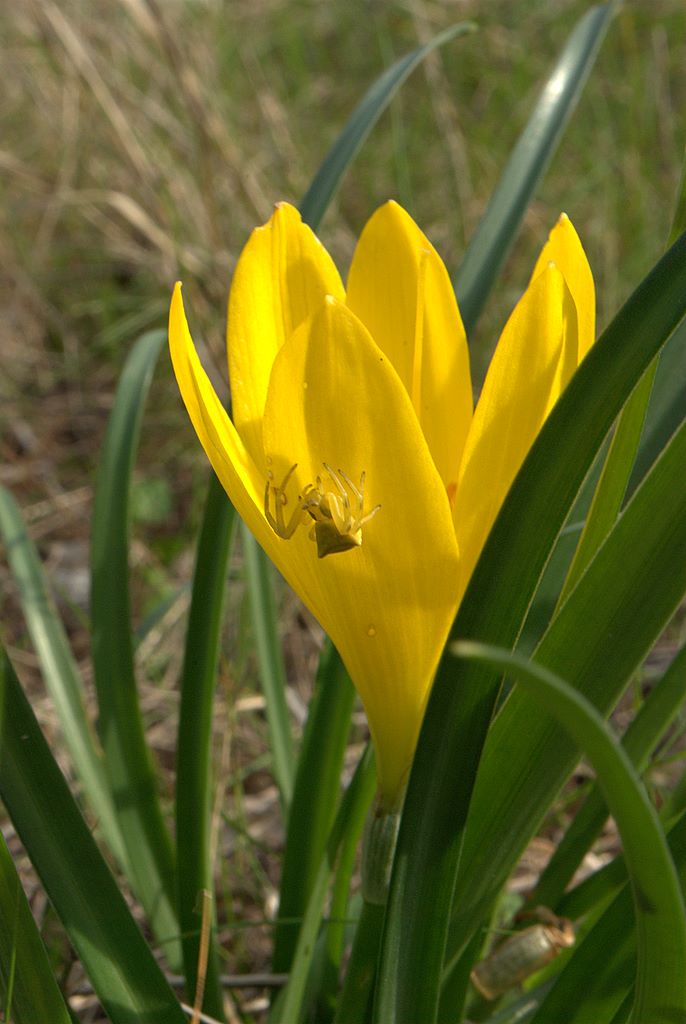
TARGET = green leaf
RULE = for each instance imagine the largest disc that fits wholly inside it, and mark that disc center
(612, 942)
(59, 670)
(495, 235)
(194, 785)
(666, 408)
(660, 916)
(127, 758)
(361, 121)
(116, 957)
(652, 720)
(493, 610)
(350, 818)
(259, 576)
(317, 786)
(600, 636)
(614, 480)
(29, 990)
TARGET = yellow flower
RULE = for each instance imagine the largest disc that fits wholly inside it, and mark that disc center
(355, 455)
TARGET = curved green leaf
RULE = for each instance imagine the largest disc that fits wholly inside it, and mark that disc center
(116, 957)
(654, 717)
(493, 238)
(361, 122)
(127, 758)
(194, 747)
(493, 610)
(660, 916)
(59, 669)
(612, 942)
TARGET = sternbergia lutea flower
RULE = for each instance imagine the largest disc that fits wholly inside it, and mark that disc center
(355, 454)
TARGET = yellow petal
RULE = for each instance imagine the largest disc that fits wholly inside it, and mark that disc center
(564, 249)
(387, 605)
(241, 479)
(400, 289)
(531, 365)
(282, 276)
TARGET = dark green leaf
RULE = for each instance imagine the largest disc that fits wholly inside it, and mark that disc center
(116, 957)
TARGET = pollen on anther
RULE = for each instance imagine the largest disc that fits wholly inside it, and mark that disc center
(371, 631)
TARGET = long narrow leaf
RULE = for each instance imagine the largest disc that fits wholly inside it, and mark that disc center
(495, 235)
(24, 964)
(59, 670)
(614, 479)
(115, 955)
(493, 610)
(361, 122)
(666, 408)
(317, 785)
(350, 816)
(194, 750)
(270, 663)
(127, 758)
(600, 636)
(660, 916)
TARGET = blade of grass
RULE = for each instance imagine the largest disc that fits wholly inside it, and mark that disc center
(194, 784)
(59, 669)
(317, 785)
(127, 757)
(660, 916)
(493, 610)
(118, 961)
(258, 571)
(493, 238)
(361, 122)
(654, 717)
(30, 992)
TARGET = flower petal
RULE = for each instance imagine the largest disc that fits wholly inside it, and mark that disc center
(564, 249)
(387, 605)
(400, 289)
(281, 277)
(235, 468)
(534, 358)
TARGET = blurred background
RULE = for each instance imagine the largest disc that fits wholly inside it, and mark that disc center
(142, 140)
